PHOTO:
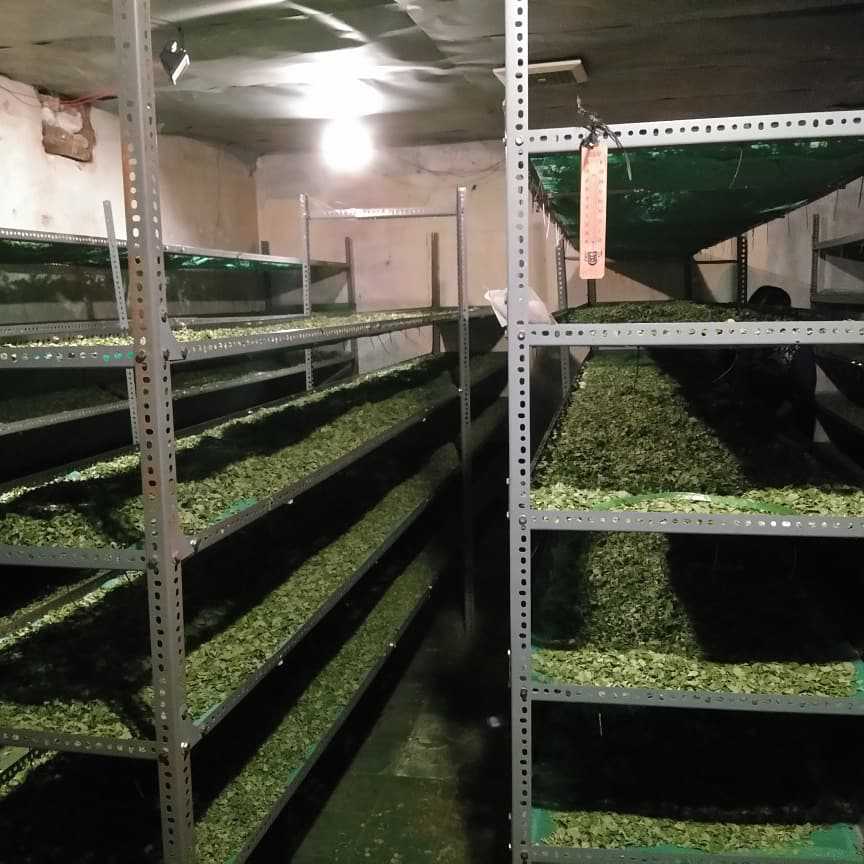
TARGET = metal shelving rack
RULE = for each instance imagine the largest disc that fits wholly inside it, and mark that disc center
(523, 337)
(151, 354)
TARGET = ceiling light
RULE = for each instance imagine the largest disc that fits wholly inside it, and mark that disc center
(175, 59)
(346, 145)
(334, 97)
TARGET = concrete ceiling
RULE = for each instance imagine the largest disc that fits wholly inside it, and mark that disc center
(257, 63)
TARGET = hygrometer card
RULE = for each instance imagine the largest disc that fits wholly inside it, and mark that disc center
(592, 212)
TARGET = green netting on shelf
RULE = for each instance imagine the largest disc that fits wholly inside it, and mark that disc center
(42, 252)
(683, 199)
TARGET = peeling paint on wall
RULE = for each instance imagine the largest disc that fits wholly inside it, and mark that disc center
(67, 130)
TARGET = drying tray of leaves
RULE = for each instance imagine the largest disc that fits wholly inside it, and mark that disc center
(230, 466)
(680, 612)
(614, 777)
(637, 833)
(244, 768)
(660, 311)
(634, 438)
(57, 674)
(666, 311)
(187, 334)
(110, 391)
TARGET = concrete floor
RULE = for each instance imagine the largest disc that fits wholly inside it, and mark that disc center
(429, 783)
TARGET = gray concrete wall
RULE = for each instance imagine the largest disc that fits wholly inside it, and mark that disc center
(394, 258)
(780, 251)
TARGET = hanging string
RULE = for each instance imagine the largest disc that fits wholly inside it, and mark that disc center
(595, 126)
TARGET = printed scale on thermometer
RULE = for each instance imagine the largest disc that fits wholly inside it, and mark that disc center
(594, 154)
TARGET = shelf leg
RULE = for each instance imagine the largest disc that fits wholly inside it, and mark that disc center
(519, 422)
(122, 312)
(468, 574)
(152, 345)
(561, 274)
(435, 301)
(307, 282)
(814, 262)
(741, 256)
(352, 301)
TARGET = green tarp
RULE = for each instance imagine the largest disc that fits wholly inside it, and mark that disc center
(42, 252)
(683, 199)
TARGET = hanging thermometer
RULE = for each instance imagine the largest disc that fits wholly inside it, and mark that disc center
(592, 209)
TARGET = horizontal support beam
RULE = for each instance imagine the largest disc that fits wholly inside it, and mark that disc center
(382, 213)
(646, 697)
(697, 334)
(711, 130)
(61, 556)
(560, 855)
(67, 742)
(122, 357)
(696, 523)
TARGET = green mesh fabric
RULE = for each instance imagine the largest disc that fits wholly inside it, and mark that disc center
(683, 199)
(41, 252)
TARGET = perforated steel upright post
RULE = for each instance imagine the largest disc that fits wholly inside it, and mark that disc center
(152, 344)
(814, 261)
(352, 301)
(561, 274)
(519, 420)
(741, 256)
(465, 408)
(307, 282)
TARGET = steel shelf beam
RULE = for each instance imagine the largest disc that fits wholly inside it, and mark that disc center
(710, 130)
(69, 556)
(563, 855)
(116, 328)
(122, 356)
(696, 334)
(381, 213)
(848, 527)
(70, 742)
(649, 697)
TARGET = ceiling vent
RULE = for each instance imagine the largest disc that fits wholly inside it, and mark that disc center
(552, 74)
